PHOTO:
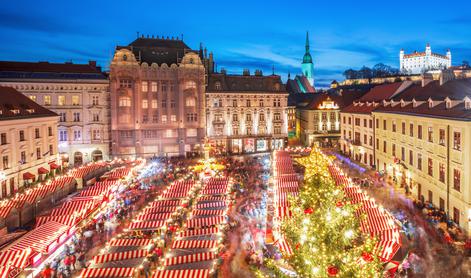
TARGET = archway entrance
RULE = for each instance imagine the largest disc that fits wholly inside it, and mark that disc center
(97, 155)
(78, 158)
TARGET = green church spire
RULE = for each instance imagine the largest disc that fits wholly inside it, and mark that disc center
(307, 42)
(307, 59)
(307, 66)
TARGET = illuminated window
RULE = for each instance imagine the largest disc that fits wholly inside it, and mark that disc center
(173, 118)
(441, 139)
(124, 102)
(190, 102)
(125, 83)
(164, 118)
(154, 104)
(456, 179)
(430, 134)
(441, 171)
(33, 98)
(75, 100)
(419, 161)
(145, 104)
(457, 140)
(430, 167)
(153, 86)
(145, 86)
(61, 100)
(47, 100)
(191, 132)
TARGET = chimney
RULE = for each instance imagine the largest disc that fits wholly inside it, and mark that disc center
(92, 63)
(246, 72)
(258, 73)
(426, 78)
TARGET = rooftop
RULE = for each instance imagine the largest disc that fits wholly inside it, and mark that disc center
(15, 105)
(381, 92)
(46, 70)
(455, 89)
(299, 84)
(245, 83)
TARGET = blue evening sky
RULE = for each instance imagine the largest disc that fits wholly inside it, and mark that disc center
(242, 34)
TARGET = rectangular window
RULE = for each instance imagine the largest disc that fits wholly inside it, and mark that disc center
(22, 135)
(49, 131)
(164, 103)
(154, 86)
(95, 100)
(36, 133)
(394, 126)
(170, 133)
(62, 117)
(457, 141)
(441, 139)
(377, 143)
(145, 104)
(411, 157)
(262, 117)
(62, 135)
(411, 130)
(96, 117)
(3, 138)
(430, 134)
(125, 83)
(190, 102)
(5, 162)
(430, 167)
(277, 130)
(277, 116)
(456, 179)
(430, 196)
(403, 154)
(47, 100)
(385, 126)
(164, 86)
(145, 86)
(33, 98)
(173, 118)
(371, 124)
(145, 118)
(248, 103)
(96, 134)
(419, 131)
(441, 171)
(23, 157)
(384, 147)
(172, 103)
(155, 117)
(77, 135)
(75, 100)
(365, 139)
(191, 132)
(403, 128)
(76, 117)
(234, 103)
(154, 104)
(364, 122)
(61, 100)
(124, 102)
(235, 117)
(456, 216)
(419, 161)
(377, 123)
(164, 118)
(394, 150)
(260, 102)
(51, 150)
(324, 118)
(38, 153)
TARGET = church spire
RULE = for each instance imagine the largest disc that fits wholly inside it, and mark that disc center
(307, 41)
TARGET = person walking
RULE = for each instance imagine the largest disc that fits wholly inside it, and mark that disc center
(81, 259)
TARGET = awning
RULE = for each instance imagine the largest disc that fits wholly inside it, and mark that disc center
(152, 225)
(216, 204)
(119, 256)
(193, 273)
(42, 171)
(108, 272)
(16, 258)
(199, 232)
(130, 242)
(193, 244)
(63, 219)
(28, 176)
(214, 191)
(212, 198)
(284, 247)
(165, 203)
(208, 212)
(387, 250)
(205, 221)
(53, 166)
(157, 216)
(198, 257)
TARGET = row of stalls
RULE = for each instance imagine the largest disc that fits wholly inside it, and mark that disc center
(23, 207)
(125, 255)
(378, 221)
(195, 250)
(285, 184)
(53, 230)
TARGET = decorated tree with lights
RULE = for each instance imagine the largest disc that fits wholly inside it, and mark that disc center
(324, 231)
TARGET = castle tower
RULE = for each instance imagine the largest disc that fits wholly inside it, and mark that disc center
(448, 55)
(307, 66)
(401, 60)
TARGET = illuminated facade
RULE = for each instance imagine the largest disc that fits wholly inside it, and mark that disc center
(78, 93)
(420, 62)
(246, 113)
(157, 98)
(28, 141)
(319, 121)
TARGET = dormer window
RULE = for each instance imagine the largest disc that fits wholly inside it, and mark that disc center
(15, 111)
(31, 111)
(430, 103)
(448, 104)
(467, 105)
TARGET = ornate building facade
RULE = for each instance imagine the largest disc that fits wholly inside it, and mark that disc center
(158, 98)
(28, 141)
(78, 93)
(420, 62)
(246, 113)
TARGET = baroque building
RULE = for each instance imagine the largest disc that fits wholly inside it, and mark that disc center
(158, 98)
(246, 113)
(78, 93)
(420, 62)
(28, 141)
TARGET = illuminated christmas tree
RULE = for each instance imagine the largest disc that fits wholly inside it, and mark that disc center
(324, 231)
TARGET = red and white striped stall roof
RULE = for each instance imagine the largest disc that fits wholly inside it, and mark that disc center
(165, 203)
(197, 257)
(63, 219)
(388, 235)
(119, 256)
(194, 244)
(217, 204)
(199, 232)
(208, 212)
(159, 210)
(212, 198)
(377, 224)
(387, 249)
(96, 190)
(5, 210)
(283, 212)
(174, 195)
(70, 208)
(15, 258)
(157, 216)
(107, 272)
(40, 238)
(204, 221)
(214, 191)
(147, 225)
(284, 247)
(130, 242)
(182, 273)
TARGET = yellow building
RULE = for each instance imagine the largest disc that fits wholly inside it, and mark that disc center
(425, 146)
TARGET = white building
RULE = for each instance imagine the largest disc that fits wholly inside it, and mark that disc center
(78, 93)
(246, 113)
(420, 62)
(28, 141)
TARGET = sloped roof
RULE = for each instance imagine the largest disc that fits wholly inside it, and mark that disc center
(300, 84)
(454, 89)
(46, 70)
(245, 83)
(11, 99)
(158, 50)
(381, 92)
(457, 112)
(360, 108)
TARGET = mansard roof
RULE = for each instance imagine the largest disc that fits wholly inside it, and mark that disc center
(15, 105)
(46, 70)
(245, 83)
(158, 50)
